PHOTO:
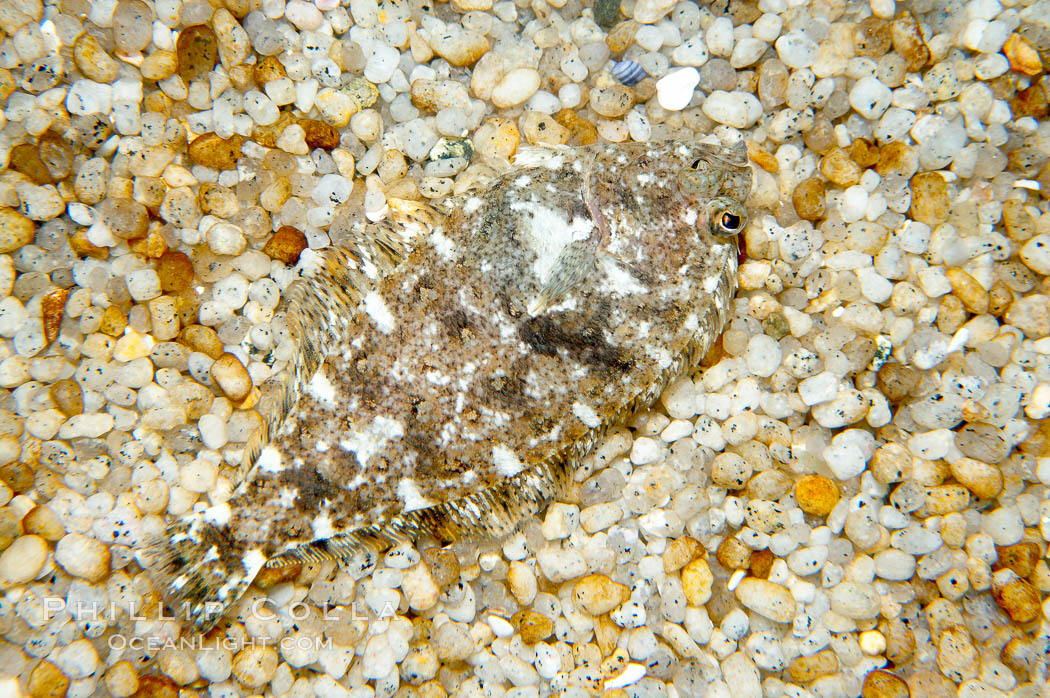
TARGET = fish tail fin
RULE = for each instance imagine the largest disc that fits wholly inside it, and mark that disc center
(199, 570)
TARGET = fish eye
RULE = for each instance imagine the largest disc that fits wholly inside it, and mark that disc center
(696, 164)
(728, 223)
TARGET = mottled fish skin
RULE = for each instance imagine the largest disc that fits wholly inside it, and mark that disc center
(456, 393)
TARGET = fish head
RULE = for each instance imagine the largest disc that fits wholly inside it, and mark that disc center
(718, 180)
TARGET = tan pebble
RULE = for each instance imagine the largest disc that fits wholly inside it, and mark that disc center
(266, 69)
(983, 480)
(534, 627)
(872, 37)
(808, 199)
(680, 552)
(217, 200)
(908, 41)
(805, 669)
(52, 308)
(839, 168)
(956, 656)
(762, 157)
(1016, 596)
(93, 61)
(23, 560)
(47, 681)
(158, 65)
(15, 230)
(157, 687)
(541, 129)
(522, 582)
(953, 530)
(461, 48)
(816, 495)
(622, 36)
(197, 51)
(1031, 101)
(497, 138)
(733, 554)
(434, 95)
(864, 152)
(18, 476)
(180, 208)
(25, 158)
(697, 582)
(419, 587)
(1023, 56)
(443, 564)
(318, 134)
(133, 345)
(768, 599)
(175, 270)
(10, 524)
(121, 679)
(234, 43)
(597, 594)
(1019, 557)
(203, 339)
(583, 131)
(82, 556)
(254, 667)
(929, 198)
(1018, 654)
(612, 102)
(126, 218)
(883, 684)
(897, 158)
(945, 499)
(761, 564)
(232, 378)
(210, 150)
(153, 246)
(286, 244)
(973, 295)
(41, 521)
(900, 642)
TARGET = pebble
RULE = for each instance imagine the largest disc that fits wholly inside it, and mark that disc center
(22, 561)
(883, 684)
(736, 109)
(651, 11)
(561, 565)
(697, 582)
(771, 601)
(47, 680)
(83, 557)
(255, 666)
(816, 495)
(674, 91)
(16, 230)
(796, 50)
(597, 594)
(232, 378)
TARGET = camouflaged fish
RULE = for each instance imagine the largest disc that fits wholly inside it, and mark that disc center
(446, 385)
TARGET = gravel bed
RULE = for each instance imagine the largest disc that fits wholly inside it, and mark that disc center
(849, 498)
